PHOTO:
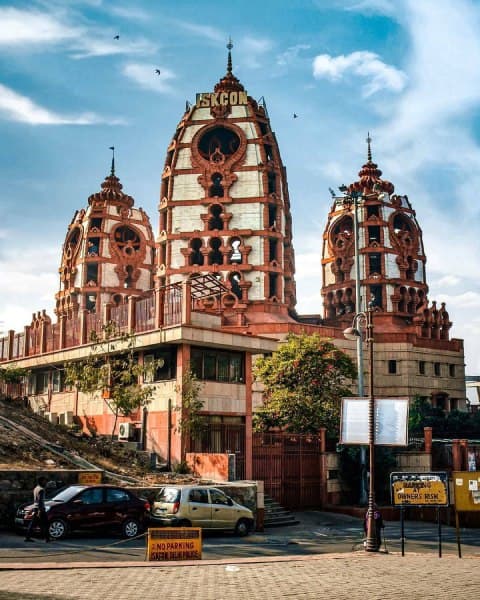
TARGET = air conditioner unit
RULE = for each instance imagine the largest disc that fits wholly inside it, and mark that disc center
(125, 431)
(52, 417)
(66, 418)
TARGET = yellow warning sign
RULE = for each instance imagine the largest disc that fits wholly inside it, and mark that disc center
(89, 478)
(420, 492)
(175, 543)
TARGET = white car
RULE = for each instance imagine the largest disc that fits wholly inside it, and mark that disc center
(200, 506)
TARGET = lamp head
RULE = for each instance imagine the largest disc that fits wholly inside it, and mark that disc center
(350, 333)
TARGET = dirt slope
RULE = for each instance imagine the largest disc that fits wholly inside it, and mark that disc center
(21, 451)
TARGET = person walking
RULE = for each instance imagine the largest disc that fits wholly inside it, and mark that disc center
(39, 512)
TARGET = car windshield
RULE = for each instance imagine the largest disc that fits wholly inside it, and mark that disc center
(168, 495)
(68, 493)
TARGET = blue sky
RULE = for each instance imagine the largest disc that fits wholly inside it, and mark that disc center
(408, 71)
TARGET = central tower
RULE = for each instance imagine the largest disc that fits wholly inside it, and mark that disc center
(224, 206)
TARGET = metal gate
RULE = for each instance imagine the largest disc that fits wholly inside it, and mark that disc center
(290, 466)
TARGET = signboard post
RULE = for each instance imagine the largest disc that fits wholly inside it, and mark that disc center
(174, 543)
(420, 489)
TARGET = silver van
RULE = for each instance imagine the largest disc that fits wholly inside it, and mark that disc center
(200, 506)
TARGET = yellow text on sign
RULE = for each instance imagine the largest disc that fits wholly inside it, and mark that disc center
(175, 543)
(420, 493)
(90, 478)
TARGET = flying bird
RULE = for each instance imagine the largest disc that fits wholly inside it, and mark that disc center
(116, 37)
(157, 71)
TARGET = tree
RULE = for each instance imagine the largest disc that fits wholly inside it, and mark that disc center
(12, 374)
(304, 381)
(112, 369)
(191, 423)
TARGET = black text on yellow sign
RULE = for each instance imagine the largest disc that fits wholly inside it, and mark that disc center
(180, 543)
(420, 493)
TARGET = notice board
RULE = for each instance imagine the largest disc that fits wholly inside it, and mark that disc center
(466, 486)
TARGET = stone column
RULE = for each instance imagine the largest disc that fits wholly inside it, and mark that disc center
(456, 455)
(322, 434)
(248, 417)
(131, 314)
(186, 303)
(427, 436)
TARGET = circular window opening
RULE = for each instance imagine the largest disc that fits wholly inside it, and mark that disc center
(218, 141)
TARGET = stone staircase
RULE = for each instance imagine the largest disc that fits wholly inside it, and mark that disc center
(276, 515)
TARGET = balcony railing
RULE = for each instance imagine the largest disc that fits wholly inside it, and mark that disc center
(164, 307)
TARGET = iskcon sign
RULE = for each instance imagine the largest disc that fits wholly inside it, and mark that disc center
(209, 99)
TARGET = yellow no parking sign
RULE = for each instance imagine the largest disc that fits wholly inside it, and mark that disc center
(175, 543)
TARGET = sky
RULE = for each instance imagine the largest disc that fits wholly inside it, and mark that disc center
(407, 71)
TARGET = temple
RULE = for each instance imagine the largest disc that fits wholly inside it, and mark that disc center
(216, 287)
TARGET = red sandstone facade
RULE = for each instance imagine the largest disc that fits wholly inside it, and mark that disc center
(220, 289)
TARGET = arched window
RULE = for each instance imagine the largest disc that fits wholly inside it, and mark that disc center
(215, 256)
(127, 240)
(236, 255)
(342, 233)
(235, 279)
(216, 189)
(218, 140)
(196, 257)
(215, 220)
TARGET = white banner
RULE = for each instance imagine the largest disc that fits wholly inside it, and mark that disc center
(391, 421)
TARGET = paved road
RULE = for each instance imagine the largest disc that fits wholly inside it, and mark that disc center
(354, 576)
(317, 533)
(289, 563)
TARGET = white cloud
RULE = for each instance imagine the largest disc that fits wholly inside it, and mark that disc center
(467, 299)
(448, 281)
(93, 46)
(251, 50)
(23, 29)
(128, 12)
(144, 75)
(364, 64)
(21, 273)
(443, 68)
(18, 27)
(205, 31)
(291, 55)
(15, 107)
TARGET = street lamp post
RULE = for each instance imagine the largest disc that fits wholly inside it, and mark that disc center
(365, 320)
(349, 200)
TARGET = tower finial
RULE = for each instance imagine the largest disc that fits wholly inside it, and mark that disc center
(112, 148)
(229, 63)
(369, 150)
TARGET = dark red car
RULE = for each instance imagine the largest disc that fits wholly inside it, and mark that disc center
(82, 507)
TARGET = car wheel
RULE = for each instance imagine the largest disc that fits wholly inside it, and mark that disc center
(242, 528)
(57, 529)
(184, 523)
(131, 528)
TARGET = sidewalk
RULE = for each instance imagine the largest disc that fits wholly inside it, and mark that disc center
(355, 576)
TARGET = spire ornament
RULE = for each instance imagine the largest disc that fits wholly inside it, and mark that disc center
(112, 170)
(369, 150)
(229, 61)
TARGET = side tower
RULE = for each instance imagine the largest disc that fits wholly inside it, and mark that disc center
(391, 258)
(224, 207)
(108, 252)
